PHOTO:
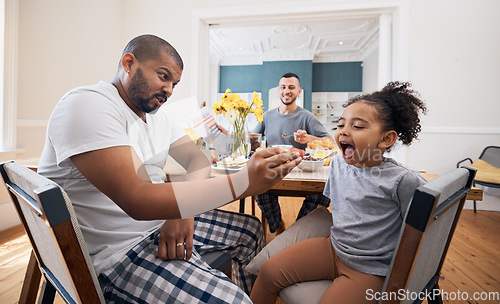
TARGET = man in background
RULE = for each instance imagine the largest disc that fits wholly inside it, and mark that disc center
(289, 124)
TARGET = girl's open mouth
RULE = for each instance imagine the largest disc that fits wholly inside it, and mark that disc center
(347, 150)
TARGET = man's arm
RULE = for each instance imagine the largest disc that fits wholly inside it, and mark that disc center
(119, 174)
(175, 231)
(190, 157)
(115, 171)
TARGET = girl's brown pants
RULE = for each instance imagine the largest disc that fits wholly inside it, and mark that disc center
(311, 260)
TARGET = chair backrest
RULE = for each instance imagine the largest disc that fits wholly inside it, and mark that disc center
(426, 235)
(50, 222)
(491, 155)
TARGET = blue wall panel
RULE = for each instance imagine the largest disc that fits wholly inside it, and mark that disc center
(241, 78)
(337, 77)
(314, 77)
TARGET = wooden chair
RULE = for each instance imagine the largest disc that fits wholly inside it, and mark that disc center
(426, 236)
(59, 251)
(423, 242)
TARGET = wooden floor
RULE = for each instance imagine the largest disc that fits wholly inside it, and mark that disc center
(472, 264)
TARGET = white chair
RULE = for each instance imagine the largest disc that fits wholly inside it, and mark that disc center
(424, 240)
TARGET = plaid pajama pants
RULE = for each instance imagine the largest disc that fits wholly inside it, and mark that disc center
(140, 277)
(268, 204)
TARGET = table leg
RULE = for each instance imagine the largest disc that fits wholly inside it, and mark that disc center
(242, 205)
(263, 220)
(253, 205)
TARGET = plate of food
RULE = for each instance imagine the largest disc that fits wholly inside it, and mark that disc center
(229, 164)
(322, 144)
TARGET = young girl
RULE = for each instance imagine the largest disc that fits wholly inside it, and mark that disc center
(370, 195)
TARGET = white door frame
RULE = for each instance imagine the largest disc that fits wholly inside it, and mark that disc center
(8, 102)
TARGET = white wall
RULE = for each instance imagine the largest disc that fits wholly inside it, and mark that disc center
(62, 44)
(454, 64)
(2, 68)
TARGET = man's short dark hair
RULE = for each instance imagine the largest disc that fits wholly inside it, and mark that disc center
(146, 47)
(290, 75)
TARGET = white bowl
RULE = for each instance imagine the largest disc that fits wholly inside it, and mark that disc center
(311, 165)
(285, 148)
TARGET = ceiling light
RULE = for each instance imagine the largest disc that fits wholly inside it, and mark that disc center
(341, 42)
(240, 48)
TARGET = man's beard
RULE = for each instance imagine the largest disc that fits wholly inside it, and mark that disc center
(139, 88)
(288, 103)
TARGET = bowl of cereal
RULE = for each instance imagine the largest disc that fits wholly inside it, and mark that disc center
(284, 148)
(321, 148)
(310, 163)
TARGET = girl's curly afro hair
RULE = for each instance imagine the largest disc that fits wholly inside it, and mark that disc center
(398, 108)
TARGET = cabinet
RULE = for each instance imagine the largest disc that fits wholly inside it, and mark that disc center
(327, 107)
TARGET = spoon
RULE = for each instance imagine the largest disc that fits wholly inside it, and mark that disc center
(285, 136)
(334, 152)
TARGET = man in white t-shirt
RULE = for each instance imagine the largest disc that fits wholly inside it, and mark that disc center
(107, 145)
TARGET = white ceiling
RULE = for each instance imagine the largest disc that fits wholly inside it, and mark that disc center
(335, 41)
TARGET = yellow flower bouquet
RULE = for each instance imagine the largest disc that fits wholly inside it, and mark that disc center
(236, 111)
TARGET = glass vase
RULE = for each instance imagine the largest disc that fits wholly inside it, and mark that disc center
(238, 139)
